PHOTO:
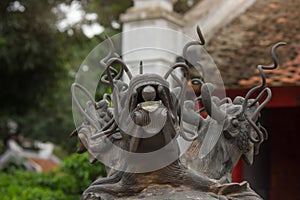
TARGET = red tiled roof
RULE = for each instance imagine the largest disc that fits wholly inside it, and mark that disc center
(246, 42)
(45, 164)
(289, 75)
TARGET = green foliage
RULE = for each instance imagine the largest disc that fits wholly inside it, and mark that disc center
(38, 64)
(29, 55)
(108, 11)
(28, 185)
(12, 165)
(37, 68)
(182, 6)
(79, 167)
(67, 182)
(2, 147)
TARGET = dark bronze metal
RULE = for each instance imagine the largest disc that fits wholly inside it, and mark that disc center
(230, 131)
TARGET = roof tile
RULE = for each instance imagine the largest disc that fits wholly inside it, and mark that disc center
(45, 164)
(246, 43)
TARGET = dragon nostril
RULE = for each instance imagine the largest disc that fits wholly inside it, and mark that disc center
(140, 117)
(148, 93)
(235, 123)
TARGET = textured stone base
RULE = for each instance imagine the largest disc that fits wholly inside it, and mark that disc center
(167, 192)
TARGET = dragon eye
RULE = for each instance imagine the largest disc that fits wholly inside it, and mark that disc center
(197, 81)
(235, 123)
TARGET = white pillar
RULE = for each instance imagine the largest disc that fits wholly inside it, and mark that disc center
(150, 42)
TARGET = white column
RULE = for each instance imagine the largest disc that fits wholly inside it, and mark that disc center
(152, 40)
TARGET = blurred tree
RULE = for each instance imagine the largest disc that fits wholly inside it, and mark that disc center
(29, 54)
(38, 61)
(181, 6)
(38, 64)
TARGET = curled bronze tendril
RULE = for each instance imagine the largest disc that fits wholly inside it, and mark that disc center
(263, 76)
(77, 104)
(192, 43)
